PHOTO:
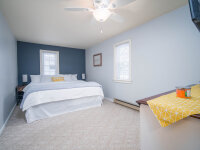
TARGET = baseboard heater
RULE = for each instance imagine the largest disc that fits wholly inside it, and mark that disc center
(126, 104)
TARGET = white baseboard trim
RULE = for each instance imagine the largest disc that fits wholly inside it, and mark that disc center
(109, 99)
(4, 125)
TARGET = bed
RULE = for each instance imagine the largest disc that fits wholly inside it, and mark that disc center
(44, 100)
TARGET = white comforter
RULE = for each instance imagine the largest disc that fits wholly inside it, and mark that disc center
(46, 96)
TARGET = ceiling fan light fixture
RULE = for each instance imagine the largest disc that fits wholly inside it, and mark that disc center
(101, 14)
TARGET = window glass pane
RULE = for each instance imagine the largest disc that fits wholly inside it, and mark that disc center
(122, 62)
(49, 63)
(46, 62)
(46, 68)
(52, 62)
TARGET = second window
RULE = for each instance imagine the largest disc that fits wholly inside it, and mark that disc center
(122, 61)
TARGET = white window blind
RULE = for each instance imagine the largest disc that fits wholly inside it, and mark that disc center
(49, 62)
(122, 61)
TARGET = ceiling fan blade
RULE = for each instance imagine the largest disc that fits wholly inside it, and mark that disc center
(78, 9)
(119, 3)
(117, 18)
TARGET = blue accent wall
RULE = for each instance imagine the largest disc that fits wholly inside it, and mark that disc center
(71, 60)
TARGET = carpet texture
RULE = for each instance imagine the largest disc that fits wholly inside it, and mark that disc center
(110, 127)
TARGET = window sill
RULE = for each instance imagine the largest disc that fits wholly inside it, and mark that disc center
(123, 81)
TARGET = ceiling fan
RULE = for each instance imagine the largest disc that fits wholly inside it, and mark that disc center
(103, 9)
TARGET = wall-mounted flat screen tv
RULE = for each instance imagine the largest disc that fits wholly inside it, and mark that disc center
(195, 12)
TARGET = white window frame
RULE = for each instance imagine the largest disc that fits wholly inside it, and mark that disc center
(41, 61)
(130, 66)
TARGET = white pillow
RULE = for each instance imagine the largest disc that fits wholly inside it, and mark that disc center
(35, 78)
(46, 78)
(74, 77)
(68, 77)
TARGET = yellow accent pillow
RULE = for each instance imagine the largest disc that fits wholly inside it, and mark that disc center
(57, 79)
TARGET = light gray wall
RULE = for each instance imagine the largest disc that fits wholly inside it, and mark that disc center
(165, 54)
(8, 73)
(182, 135)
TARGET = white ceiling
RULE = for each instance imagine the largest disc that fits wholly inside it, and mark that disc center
(46, 22)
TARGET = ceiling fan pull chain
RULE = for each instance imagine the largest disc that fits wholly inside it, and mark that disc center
(100, 28)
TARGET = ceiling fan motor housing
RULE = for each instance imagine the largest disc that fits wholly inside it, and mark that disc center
(97, 1)
(101, 3)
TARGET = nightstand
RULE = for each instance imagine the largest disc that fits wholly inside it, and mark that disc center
(19, 93)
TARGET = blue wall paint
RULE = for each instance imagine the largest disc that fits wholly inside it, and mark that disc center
(72, 61)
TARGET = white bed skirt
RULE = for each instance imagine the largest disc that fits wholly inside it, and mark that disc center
(61, 107)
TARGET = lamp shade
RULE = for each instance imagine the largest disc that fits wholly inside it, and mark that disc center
(24, 78)
(83, 76)
(101, 14)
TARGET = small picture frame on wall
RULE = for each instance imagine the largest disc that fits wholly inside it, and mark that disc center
(97, 60)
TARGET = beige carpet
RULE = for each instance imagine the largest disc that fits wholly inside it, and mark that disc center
(110, 127)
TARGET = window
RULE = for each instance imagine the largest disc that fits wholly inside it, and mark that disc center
(122, 61)
(49, 62)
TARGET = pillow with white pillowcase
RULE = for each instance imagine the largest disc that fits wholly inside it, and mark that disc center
(46, 78)
(35, 78)
(67, 77)
(74, 77)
